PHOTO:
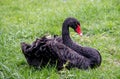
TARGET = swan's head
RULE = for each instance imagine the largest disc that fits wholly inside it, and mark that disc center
(75, 24)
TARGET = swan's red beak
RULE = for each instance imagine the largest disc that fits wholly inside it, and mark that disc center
(78, 30)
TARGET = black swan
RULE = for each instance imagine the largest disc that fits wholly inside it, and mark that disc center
(61, 50)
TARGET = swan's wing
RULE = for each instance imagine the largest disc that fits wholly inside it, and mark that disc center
(66, 55)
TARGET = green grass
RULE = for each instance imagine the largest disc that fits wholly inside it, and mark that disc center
(26, 20)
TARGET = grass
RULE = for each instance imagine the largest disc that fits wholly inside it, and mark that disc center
(26, 20)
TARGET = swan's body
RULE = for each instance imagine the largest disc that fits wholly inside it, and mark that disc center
(62, 50)
(49, 51)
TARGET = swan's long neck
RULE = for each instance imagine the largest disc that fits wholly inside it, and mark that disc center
(65, 35)
(67, 40)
